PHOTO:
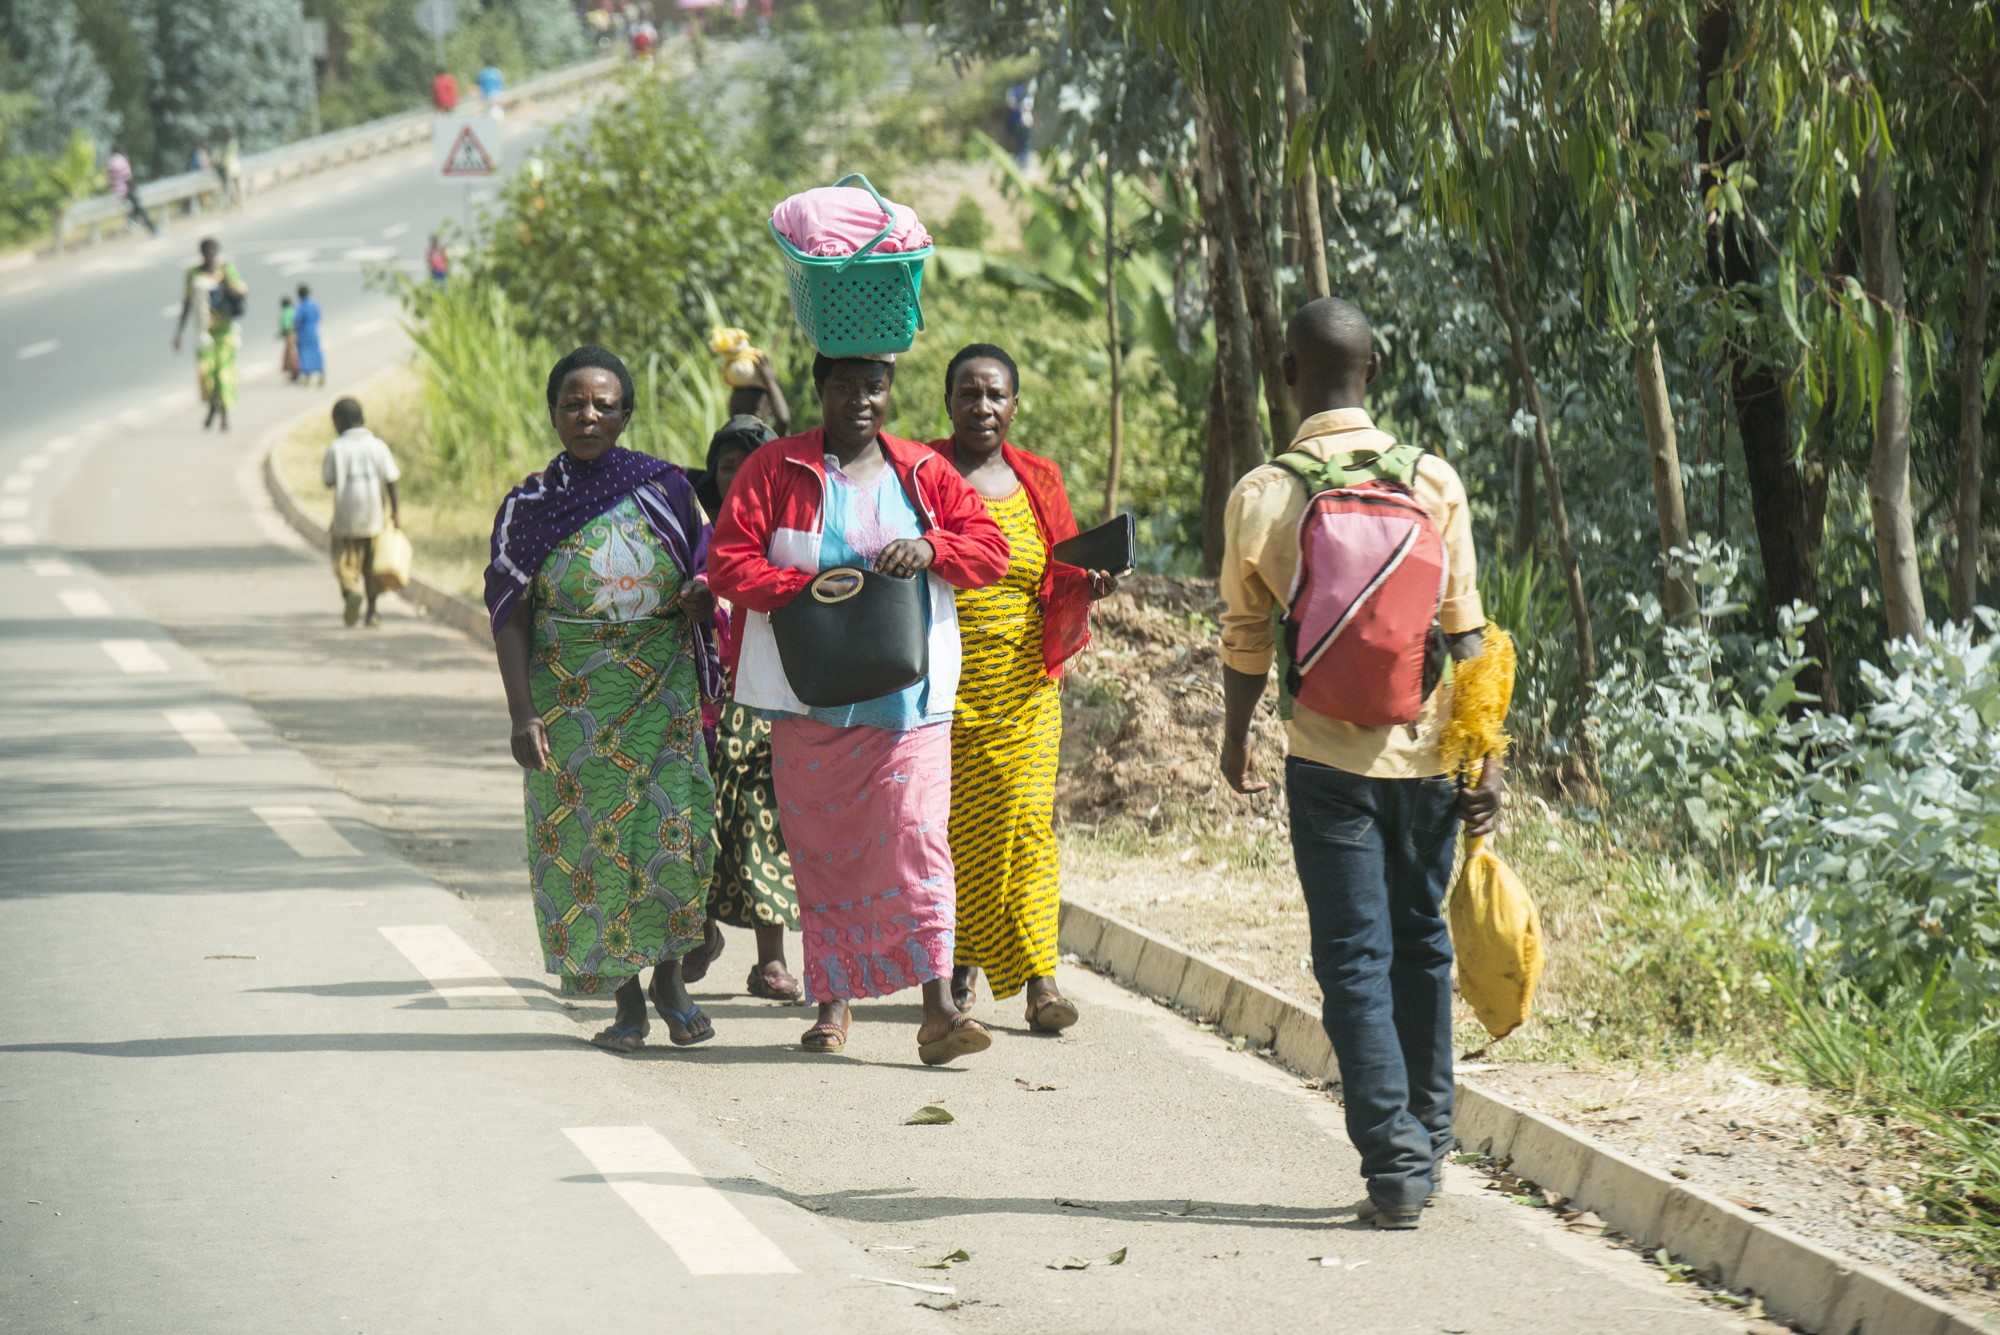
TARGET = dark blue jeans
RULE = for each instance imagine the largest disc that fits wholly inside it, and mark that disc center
(1374, 856)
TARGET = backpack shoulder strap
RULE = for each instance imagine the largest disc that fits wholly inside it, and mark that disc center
(1399, 463)
(1318, 474)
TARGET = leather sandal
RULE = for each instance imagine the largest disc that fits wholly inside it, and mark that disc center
(825, 1036)
(783, 988)
(965, 1037)
(1053, 1016)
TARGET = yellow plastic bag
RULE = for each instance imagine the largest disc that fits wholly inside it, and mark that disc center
(1497, 935)
(390, 561)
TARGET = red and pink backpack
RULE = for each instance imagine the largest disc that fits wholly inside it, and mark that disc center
(1360, 627)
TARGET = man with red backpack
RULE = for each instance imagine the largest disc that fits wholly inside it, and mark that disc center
(1349, 560)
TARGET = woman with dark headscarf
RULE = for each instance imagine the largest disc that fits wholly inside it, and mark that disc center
(601, 620)
(753, 884)
(864, 790)
(1018, 632)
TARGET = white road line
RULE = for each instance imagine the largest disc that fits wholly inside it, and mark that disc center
(394, 230)
(18, 484)
(453, 968)
(28, 285)
(703, 1226)
(134, 657)
(49, 565)
(368, 254)
(14, 507)
(84, 602)
(206, 733)
(173, 398)
(34, 463)
(134, 417)
(367, 327)
(61, 444)
(16, 535)
(41, 349)
(306, 831)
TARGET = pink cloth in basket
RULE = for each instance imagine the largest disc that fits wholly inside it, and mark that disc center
(832, 220)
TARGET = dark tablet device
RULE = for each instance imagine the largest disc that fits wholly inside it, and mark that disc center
(1108, 547)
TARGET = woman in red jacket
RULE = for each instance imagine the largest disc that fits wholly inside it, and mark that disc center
(864, 791)
(1017, 633)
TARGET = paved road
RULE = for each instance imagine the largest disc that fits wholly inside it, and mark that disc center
(275, 1047)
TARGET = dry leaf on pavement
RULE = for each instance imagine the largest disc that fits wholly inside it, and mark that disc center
(929, 1115)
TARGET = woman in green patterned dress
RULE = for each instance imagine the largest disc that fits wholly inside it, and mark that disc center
(602, 625)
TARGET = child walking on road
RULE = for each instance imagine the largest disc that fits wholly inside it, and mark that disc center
(362, 472)
(1387, 586)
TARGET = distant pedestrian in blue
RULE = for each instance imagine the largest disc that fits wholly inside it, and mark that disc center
(312, 361)
(491, 81)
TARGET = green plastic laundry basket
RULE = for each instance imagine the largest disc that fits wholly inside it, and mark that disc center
(851, 305)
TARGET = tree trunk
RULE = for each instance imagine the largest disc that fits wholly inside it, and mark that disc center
(1971, 374)
(1235, 442)
(1889, 463)
(1253, 266)
(1663, 447)
(1777, 492)
(1305, 188)
(1113, 344)
(1527, 516)
(1531, 393)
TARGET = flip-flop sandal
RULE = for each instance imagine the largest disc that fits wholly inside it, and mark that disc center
(759, 984)
(1053, 1016)
(694, 964)
(825, 1036)
(680, 1028)
(623, 1039)
(966, 1037)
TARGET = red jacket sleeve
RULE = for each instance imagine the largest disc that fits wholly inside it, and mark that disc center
(737, 567)
(971, 550)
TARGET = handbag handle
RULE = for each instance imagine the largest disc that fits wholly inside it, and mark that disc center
(880, 203)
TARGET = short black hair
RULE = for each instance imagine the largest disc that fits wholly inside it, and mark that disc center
(304, 291)
(592, 357)
(347, 415)
(1330, 339)
(209, 243)
(824, 366)
(982, 352)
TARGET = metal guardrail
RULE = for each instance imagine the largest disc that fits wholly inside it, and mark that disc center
(89, 221)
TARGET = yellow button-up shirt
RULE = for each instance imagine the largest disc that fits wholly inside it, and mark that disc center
(1261, 556)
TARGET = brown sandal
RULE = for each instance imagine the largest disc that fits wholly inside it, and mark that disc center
(825, 1036)
(965, 1037)
(785, 988)
(1053, 1016)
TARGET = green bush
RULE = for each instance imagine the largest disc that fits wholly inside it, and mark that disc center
(1891, 840)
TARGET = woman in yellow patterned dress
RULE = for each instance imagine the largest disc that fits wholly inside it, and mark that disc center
(1007, 730)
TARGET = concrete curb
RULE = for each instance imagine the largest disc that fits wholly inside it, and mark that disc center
(1820, 1290)
(445, 608)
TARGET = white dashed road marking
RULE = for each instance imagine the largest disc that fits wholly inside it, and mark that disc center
(307, 832)
(133, 656)
(49, 565)
(84, 603)
(17, 484)
(41, 349)
(16, 535)
(394, 230)
(704, 1228)
(62, 443)
(34, 463)
(14, 507)
(206, 733)
(453, 968)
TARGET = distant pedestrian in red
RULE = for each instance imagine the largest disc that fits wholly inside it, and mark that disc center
(438, 260)
(444, 91)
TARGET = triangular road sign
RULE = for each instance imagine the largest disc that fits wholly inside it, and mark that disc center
(467, 156)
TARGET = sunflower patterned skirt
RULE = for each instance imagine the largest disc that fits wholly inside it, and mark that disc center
(753, 875)
(1005, 740)
(621, 826)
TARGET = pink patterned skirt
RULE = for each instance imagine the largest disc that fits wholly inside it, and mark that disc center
(866, 814)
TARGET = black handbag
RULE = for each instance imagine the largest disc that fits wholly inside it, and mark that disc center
(854, 635)
(1109, 547)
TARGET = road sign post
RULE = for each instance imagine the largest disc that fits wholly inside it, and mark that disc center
(435, 18)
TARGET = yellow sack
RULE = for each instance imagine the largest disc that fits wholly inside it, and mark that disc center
(1497, 935)
(391, 557)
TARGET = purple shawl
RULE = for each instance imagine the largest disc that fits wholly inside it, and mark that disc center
(568, 494)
